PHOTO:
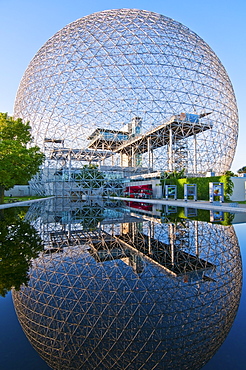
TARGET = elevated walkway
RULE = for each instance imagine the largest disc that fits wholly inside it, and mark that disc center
(162, 135)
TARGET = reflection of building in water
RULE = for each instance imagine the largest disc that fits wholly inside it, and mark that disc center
(131, 294)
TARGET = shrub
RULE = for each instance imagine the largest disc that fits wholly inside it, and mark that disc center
(202, 185)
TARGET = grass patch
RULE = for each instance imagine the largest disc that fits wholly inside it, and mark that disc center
(21, 199)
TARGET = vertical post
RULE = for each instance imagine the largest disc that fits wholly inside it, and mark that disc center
(149, 156)
(69, 165)
(133, 232)
(196, 238)
(211, 192)
(103, 158)
(149, 239)
(170, 150)
(153, 229)
(195, 155)
(69, 230)
(186, 192)
(171, 240)
(133, 159)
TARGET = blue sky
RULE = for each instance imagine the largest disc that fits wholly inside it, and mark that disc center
(26, 25)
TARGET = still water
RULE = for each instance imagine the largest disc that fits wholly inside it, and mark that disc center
(99, 286)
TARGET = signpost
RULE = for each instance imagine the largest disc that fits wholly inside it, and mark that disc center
(216, 189)
(190, 191)
(190, 212)
(171, 191)
(216, 216)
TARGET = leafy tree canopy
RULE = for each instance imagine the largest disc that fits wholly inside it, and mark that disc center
(19, 244)
(242, 170)
(173, 175)
(230, 173)
(90, 177)
(18, 160)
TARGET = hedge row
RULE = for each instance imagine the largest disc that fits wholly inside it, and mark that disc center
(204, 215)
(202, 185)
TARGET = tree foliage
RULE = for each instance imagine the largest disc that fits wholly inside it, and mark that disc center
(19, 244)
(18, 160)
(242, 170)
(90, 177)
(173, 175)
(230, 173)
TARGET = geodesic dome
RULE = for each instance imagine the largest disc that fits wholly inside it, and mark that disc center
(105, 87)
(107, 297)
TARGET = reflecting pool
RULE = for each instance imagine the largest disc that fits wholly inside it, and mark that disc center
(112, 286)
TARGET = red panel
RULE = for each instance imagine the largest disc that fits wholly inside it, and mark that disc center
(137, 205)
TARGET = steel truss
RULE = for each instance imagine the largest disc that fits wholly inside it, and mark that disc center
(110, 70)
(112, 289)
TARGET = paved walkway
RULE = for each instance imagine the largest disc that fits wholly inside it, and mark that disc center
(23, 203)
(200, 204)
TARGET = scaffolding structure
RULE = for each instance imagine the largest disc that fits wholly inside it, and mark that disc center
(169, 134)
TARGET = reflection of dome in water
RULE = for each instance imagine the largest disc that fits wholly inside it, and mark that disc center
(104, 305)
(103, 70)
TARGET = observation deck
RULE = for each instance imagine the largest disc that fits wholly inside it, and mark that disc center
(174, 261)
(130, 145)
(107, 139)
(177, 128)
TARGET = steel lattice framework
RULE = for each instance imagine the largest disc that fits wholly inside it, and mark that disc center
(115, 291)
(115, 75)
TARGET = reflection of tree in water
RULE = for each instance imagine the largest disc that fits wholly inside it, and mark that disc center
(19, 244)
(136, 295)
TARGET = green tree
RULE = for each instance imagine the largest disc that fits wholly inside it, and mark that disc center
(173, 175)
(90, 177)
(18, 160)
(242, 170)
(19, 244)
(231, 174)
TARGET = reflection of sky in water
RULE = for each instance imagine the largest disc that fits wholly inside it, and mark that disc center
(139, 295)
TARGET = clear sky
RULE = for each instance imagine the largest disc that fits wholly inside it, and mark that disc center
(26, 25)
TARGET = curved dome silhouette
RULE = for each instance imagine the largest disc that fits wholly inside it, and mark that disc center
(115, 69)
(111, 303)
